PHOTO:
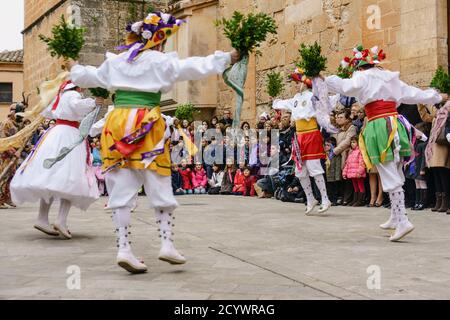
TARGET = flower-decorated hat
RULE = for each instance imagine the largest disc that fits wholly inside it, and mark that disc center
(155, 29)
(364, 57)
(299, 76)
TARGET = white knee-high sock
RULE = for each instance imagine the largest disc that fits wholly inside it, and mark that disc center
(122, 218)
(164, 220)
(306, 185)
(320, 182)
(398, 205)
(44, 209)
(64, 208)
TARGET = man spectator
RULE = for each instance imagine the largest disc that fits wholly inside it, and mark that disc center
(227, 118)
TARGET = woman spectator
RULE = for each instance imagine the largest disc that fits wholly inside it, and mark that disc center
(214, 121)
(215, 182)
(245, 127)
(437, 153)
(228, 177)
(343, 138)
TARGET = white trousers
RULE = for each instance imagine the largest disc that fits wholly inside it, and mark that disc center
(123, 183)
(311, 168)
(391, 176)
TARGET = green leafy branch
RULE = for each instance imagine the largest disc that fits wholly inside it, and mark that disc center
(99, 93)
(247, 32)
(67, 40)
(312, 61)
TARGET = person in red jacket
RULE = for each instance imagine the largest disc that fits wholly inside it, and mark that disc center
(199, 179)
(249, 183)
(243, 183)
(239, 183)
(186, 175)
(355, 169)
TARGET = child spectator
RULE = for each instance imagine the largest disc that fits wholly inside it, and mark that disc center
(239, 182)
(186, 175)
(417, 170)
(333, 166)
(215, 183)
(355, 170)
(228, 177)
(97, 164)
(199, 179)
(177, 181)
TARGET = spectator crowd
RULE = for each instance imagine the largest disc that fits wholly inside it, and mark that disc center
(258, 162)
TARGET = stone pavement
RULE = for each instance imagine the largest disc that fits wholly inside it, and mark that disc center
(237, 248)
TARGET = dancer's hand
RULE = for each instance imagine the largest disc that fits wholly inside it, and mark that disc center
(235, 56)
(69, 64)
(99, 101)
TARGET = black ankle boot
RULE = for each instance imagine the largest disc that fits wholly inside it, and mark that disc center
(417, 198)
(423, 199)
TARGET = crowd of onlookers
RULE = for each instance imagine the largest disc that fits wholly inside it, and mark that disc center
(349, 183)
(251, 165)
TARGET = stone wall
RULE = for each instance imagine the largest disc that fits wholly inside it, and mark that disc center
(413, 33)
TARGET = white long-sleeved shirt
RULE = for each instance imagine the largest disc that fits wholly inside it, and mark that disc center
(300, 106)
(153, 71)
(71, 107)
(375, 84)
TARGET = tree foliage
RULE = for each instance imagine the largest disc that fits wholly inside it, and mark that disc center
(275, 85)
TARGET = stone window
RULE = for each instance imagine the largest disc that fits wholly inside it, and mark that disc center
(6, 92)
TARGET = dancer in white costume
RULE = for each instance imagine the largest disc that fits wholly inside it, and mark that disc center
(70, 181)
(308, 147)
(386, 138)
(134, 149)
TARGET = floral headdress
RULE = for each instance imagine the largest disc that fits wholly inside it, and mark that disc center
(360, 58)
(365, 56)
(299, 76)
(143, 35)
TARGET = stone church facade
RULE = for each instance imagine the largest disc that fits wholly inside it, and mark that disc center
(413, 33)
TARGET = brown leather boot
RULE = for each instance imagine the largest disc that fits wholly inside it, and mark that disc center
(438, 202)
(444, 204)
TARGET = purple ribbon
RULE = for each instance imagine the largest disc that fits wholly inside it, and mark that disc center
(136, 135)
(151, 154)
(126, 47)
(135, 53)
(111, 168)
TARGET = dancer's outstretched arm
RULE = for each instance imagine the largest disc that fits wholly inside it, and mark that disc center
(347, 87)
(287, 104)
(413, 95)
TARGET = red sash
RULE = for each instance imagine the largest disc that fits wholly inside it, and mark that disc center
(380, 109)
(74, 124)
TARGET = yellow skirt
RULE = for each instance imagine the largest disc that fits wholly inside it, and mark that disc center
(122, 122)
